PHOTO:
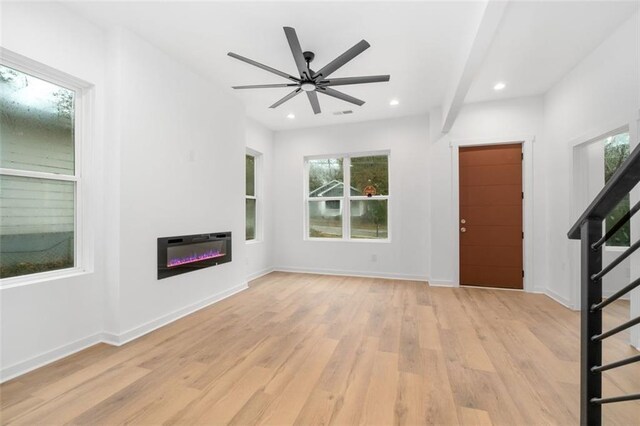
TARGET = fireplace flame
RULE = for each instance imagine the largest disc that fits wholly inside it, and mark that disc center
(195, 257)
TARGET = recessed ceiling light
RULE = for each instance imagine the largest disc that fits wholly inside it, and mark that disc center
(499, 86)
(291, 116)
(394, 102)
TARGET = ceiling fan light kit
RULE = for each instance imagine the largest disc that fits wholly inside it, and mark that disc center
(312, 82)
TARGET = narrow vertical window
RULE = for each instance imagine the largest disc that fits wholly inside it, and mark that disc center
(39, 179)
(251, 198)
(616, 150)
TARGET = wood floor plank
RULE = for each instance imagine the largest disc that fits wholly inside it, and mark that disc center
(63, 408)
(313, 349)
(379, 406)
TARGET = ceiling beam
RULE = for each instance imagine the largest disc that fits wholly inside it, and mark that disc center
(472, 60)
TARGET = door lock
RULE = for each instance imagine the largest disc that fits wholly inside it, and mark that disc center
(463, 229)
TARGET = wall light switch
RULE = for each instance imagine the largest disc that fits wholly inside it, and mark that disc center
(374, 257)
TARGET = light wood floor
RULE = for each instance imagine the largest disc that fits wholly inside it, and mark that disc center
(311, 349)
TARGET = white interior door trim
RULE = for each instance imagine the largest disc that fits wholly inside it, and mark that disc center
(527, 208)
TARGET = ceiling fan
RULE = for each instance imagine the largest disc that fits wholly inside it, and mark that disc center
(310, 81)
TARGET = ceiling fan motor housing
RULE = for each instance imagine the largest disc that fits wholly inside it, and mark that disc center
(308, 56)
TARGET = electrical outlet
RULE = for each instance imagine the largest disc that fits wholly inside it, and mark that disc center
(374, 258)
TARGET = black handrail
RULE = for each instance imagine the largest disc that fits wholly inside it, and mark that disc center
(616, 330)
(619, 185)
(615, 262)
(621, 398)
(615, 228)
(617, 295)
(626, 361)
(588, 229)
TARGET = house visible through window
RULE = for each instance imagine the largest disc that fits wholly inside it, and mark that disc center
(251, 198)
(357, 213)
(616, 150)
(39, 178)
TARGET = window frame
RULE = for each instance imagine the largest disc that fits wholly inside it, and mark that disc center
(83, 105)
(257, 190)
(346, 197)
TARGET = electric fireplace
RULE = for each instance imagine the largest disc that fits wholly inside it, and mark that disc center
(186, 253)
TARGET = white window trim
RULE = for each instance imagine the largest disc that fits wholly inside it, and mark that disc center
(258, 191)
(83, 105)
(345, 199)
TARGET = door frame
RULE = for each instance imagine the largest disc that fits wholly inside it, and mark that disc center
(527, 208)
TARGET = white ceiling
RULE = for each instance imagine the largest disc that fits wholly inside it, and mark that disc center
(413, 42)
(539, 42)
(418, 43)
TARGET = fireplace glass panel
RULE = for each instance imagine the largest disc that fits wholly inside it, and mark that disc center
(196, 252)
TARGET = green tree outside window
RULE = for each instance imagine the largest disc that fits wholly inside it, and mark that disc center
(616, 150)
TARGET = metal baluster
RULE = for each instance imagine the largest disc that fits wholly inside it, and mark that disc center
(591, 323)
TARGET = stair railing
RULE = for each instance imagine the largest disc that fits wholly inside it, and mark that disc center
(589, 230)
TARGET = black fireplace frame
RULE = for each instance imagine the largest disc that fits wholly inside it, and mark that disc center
(165, 243)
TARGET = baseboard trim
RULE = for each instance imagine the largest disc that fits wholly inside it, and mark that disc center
(442, 283)
(13, 371)
(136, 332)
(259, 274)
(560, 299)
(384, 275)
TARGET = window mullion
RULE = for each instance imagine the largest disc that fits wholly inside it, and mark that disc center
(346, 217)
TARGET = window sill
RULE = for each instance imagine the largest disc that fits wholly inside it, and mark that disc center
(13, 282)
(615, 248)
(254, 241)
(344, 240)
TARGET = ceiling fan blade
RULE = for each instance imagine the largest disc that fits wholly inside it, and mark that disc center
(328, 69)
(264, 67)
(286, 98)
(343, 81)
(313, 100)
(339, 95)
(296, 50)
(264, 86)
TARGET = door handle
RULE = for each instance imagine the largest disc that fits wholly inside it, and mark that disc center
(463, 229)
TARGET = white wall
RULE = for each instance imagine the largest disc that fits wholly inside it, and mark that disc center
(260, 251)
(508, 120)
(170, 162)
(43, 321)
(599, 95)
(406, 256)
(181, 167)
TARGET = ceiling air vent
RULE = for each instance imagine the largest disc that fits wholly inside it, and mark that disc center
(343, 112)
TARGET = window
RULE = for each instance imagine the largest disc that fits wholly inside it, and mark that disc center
(616, 150)
(39, 175)
(357, 213)
(251, 201)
